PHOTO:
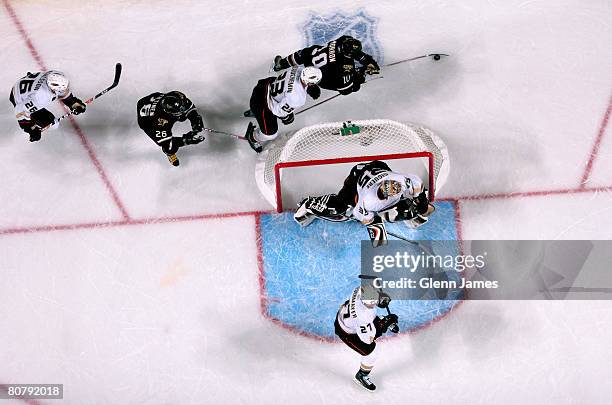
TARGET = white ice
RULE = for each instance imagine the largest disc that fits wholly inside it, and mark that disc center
(159, 302)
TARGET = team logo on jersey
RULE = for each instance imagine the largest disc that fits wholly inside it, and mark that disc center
(320, 29)
(162, 121)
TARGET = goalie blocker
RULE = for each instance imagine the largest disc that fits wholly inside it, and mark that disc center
(372, 193)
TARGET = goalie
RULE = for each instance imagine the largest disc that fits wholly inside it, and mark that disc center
(372, 193)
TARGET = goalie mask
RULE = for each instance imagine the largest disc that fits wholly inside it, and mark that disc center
(175, 103)
(389, 188)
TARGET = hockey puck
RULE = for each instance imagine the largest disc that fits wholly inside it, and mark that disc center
(436, 57)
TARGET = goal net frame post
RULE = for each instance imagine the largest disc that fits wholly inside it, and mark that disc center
(353, 159)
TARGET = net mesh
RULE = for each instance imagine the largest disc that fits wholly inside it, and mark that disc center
(327, 141)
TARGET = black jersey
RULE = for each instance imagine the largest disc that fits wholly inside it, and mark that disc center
(339, 72)
(157, 123)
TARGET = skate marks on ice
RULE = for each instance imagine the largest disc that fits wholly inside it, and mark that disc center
(308, 272)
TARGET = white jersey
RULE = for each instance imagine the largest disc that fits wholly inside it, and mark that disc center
(355, 318)
(369, 202)
(31, 94)
(286, 92)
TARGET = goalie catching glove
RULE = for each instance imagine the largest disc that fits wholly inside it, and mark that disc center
(415, 211)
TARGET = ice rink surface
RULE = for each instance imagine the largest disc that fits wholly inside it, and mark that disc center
(133, 282)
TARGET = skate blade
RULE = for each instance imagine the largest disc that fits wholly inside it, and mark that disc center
(356, 381)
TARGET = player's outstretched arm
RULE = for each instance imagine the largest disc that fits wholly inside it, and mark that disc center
(370, 65)
(297, 58)
(197, 123)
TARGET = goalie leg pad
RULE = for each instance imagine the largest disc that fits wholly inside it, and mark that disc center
(327, 207)
(303, 215)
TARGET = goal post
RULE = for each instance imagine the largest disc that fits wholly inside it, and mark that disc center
(316, 159)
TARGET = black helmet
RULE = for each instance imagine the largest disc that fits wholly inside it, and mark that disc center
(174, 103)
(349, 46)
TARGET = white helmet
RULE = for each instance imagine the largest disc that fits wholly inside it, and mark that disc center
(368, 296)
(57, 82)
(311, 75)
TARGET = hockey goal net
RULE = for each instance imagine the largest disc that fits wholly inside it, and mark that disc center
(315, 160)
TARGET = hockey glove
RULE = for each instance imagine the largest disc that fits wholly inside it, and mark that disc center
(402, 211)
(390, 321)
(314, 91)
(192, 138)
(383, 300)
(76, 106)
(42, 118)
(280, 63)
(31, 129)
(421, 219)
(288, 119)
(371, 67)
(421, 203)
(35, 134)
(197, 124)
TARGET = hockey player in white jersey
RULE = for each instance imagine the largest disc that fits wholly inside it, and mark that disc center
(33, 93)
(278, 97)
(370, 194)
(358, 326)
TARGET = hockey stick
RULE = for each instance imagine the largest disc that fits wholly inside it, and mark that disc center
(333, 97)
(402, 238)
(214, 131)
(435, 56)
(100, 94)
(249, 114)
(412, 242)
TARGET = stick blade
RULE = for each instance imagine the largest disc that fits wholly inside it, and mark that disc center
(118, 69)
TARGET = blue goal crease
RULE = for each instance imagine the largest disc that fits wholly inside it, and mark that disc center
(308, 272)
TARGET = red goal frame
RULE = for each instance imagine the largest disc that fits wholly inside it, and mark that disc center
(283, 165)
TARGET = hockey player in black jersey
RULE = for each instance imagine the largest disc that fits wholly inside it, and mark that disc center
(337, 62)
(158, 112)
